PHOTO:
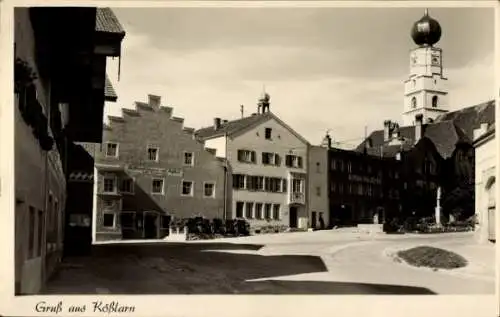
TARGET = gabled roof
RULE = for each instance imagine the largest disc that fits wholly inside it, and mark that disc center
(109, 91)
(106, 21)
(232, 128)
(445, 132)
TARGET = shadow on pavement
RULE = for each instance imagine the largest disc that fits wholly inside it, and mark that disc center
(184, 269)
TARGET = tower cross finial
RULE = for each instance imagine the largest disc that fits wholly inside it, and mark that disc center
(426, 12)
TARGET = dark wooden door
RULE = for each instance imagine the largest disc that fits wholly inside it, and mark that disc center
(313, 219)
(293, 217)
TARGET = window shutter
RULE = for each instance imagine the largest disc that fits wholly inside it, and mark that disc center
(284, 185)
(253, 156)
(240, 155)
(299, 161)
(288, 160)
(264, 156)
(277, 159)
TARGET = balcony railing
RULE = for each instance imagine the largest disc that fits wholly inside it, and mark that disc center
(297, 198)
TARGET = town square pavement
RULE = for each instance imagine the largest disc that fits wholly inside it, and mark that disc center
(341, 261)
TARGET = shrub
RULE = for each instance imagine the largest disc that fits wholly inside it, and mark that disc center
(432, 257)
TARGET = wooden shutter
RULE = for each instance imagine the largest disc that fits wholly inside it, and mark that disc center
(240, 155)
(254, 157)
(277, 159)
(299, 161)
(288, 160)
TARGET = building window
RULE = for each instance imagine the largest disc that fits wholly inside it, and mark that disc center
(413, 102)
(341, 188)
(127, 186)
(188, 158)
(258, 211)
(267, 211)
(187, 188)
(294, 161)
(284, 185)
(276, 212)
(109, 184)
(268, 133)
(273, 184)
(111, 149)
(270, 158)
(238, 181)
(318, 191)
(239, 209)
(153, 153)
(349, 167)
(249, 211)
(318, 170)
(157, 186)
(247, 156)
(333, 187)
(209, 190)
(32, 230)
(434, 101)
(297, 186)
(255, 183)
(108, 220)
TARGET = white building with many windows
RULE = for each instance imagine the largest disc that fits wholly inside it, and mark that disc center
(486, 159)
(267, 161)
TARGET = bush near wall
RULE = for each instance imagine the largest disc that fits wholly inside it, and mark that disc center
(428, 225)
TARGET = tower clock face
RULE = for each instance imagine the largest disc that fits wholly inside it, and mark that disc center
(435, 60)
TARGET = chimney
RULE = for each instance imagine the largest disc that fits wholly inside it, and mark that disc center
(216, 123)
(387, 130)
(418, 127)
(154, 101)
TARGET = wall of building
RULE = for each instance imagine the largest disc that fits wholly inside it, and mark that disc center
(282, 142)
(155, 126)
(486, 161)
(318, 185)
(38, 174)
(362, 186)
(218, 144)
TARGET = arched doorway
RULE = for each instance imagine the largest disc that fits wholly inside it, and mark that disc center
(491, 208)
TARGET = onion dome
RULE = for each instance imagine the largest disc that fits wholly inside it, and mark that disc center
(426, 31)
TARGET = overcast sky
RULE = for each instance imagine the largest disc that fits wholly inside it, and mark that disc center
(325, 68)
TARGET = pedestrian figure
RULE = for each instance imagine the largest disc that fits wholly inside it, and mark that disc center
(321, 222)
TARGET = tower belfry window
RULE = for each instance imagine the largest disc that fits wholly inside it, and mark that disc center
(434, 101)
(413, 102)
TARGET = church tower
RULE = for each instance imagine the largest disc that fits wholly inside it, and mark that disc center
(425, 89)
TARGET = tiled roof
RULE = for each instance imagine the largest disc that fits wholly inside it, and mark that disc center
(109, 91)
(445, 132)
(445, 135)
(231, 126)
(471, 118)
(106, 21)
